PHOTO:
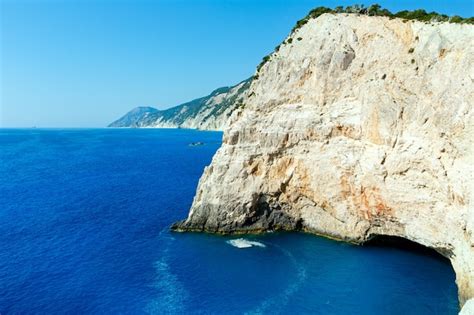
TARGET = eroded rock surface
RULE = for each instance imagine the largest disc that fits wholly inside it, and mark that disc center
(360, 126)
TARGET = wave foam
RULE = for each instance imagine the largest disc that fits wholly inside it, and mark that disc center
(243, 243)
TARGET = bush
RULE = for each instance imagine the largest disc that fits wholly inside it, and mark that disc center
(423, 16)
(374, 9)
(456, 19)
(312, 15)
(262, 63)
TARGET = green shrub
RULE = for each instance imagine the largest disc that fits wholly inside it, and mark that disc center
(456, 19)
(312, 15)
(469, 20)
(262, 63)
(374, 9)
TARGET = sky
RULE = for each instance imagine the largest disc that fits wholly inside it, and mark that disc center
(85, 63)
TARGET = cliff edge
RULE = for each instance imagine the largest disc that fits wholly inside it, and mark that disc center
(356, 126)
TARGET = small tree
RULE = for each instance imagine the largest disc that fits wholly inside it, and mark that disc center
(374, 9)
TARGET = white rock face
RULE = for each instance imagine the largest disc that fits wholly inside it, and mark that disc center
(361, 126)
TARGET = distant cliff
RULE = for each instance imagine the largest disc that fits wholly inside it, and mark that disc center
(211, 112)
(356, 126)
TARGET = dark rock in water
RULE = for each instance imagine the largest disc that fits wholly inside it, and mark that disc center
(263, 218)
(195, 144)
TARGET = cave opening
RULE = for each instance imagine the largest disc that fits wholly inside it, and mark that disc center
(404, 244)
(433, 265)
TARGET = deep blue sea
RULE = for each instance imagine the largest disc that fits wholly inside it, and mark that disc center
(84, 229)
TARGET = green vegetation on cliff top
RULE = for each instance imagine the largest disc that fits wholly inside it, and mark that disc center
(374, 10)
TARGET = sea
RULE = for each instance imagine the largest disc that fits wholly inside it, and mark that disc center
(84, 229)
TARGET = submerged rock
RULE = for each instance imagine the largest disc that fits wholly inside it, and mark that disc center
(196, 144)
(361, 127)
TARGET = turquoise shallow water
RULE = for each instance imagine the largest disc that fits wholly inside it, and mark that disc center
(84, 217)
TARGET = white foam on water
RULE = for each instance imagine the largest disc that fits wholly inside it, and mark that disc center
(243, 243)
(171, 295)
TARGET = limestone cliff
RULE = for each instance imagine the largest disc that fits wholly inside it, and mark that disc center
(357, 126)
(210, 112)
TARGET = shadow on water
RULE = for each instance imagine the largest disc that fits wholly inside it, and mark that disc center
(400, 243)
(385, 242)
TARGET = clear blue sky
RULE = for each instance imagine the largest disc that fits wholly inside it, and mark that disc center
(85, 63)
